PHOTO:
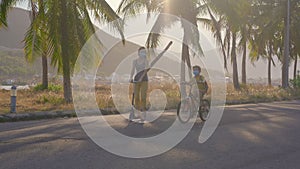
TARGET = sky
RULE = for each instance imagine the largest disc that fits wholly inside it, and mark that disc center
(113, 3)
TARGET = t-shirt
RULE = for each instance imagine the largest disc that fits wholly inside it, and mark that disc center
(141, 69)
(201, 83)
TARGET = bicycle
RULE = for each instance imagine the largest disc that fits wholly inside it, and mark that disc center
(186, 108)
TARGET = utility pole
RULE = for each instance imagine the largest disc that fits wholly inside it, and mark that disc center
(286, 57)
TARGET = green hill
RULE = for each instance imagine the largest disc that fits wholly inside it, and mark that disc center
(14, 66)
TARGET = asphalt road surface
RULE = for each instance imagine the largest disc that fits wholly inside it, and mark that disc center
(254, 136)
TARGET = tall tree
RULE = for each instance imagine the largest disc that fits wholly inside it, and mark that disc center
(286, 56)
(69, 26)
(266, 39)
(36, 39)
(33, 36)
(283, 16)
(295, 34)
(215, 26)
(235, 17)
(243, 45)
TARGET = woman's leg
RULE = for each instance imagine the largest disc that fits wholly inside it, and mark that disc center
(144, 89)
(137, 101)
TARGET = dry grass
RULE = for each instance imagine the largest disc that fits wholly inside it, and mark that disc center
(36, 101)
(259, 93)
(104, 98)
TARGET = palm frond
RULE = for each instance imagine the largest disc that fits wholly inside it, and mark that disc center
(218, 29)
(163, 22)
(5, 5)
(104, 13)
(32, 44)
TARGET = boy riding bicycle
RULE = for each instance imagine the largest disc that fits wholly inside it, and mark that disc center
(200, 80)
(188, 105)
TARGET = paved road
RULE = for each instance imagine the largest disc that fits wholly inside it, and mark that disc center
(256, 136)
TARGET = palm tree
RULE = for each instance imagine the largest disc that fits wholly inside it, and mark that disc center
(36, 40)
(33, 36)
(266, 40)
(245, 36)
(295, 53)
(68, 26)
(286, 57)
(283, 16)
(245, 11)
(187, 10)
(295, 34)
(215, 26)
(235, 16)
(295, 56)
(262, 47)
(2, 21)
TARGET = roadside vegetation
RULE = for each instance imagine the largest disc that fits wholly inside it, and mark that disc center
(264, 28)
(51, 99)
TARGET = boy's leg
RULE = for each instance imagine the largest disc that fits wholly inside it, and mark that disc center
(201, 96)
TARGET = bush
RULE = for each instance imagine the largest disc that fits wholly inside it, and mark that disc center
(51, 87)
(54, 100)
(296, 82)
(39, 87)
(55, 88)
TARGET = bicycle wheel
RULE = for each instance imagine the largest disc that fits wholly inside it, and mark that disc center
(184, 112)
(204, 110)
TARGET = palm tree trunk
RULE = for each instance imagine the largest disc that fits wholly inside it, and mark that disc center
(184, 56)
(188, 59)
(234, 63)
(269, 71)
(65, 54)
(295, 67)
(228, 32)
(270, 62)
(244, 75)
(45, 71)
(285, 61)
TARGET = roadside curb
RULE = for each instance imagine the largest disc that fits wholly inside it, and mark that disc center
(13, 117)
